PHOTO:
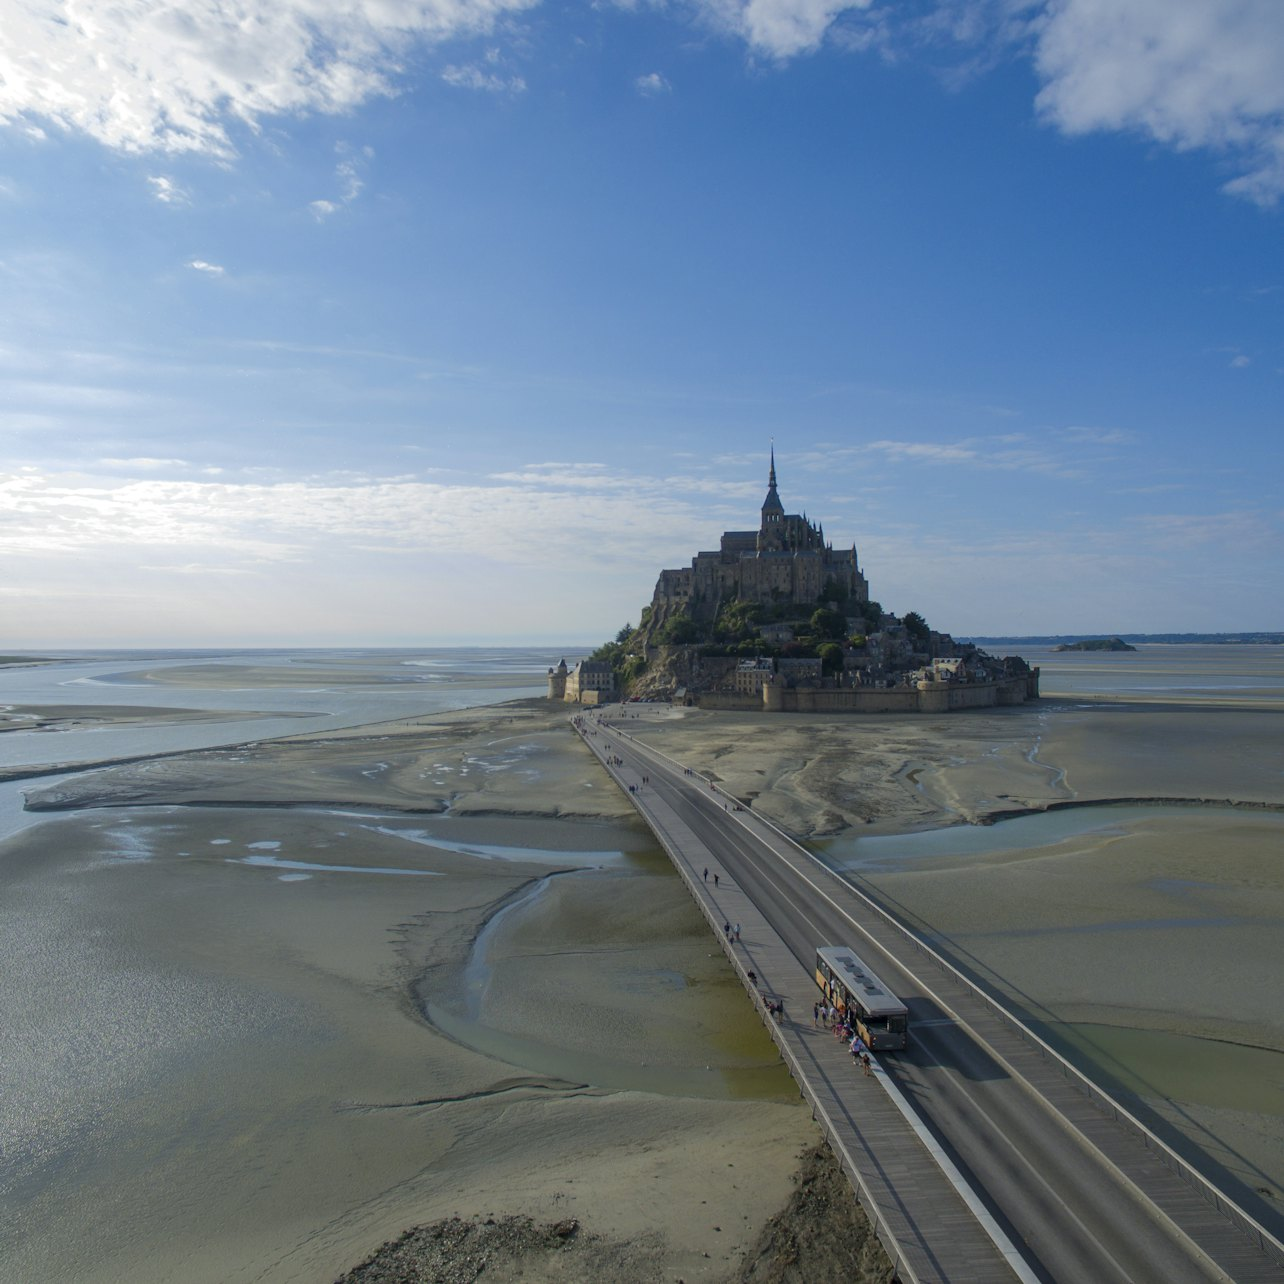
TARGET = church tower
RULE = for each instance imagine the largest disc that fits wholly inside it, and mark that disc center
(771, 534)
(772, 509)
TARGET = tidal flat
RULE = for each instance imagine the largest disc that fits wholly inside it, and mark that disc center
(273, 1004)
(274, 1001)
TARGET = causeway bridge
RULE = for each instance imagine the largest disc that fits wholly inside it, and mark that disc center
(979, 1154)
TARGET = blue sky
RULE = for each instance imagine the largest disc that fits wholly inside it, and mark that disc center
(423, 321)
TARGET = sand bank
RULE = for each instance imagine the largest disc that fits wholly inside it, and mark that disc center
(363, 671)
(515, 759)
(66, 717)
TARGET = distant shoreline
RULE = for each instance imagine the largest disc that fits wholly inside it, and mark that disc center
(1144, 639)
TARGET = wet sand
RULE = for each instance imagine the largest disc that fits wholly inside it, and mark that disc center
(265, 1069)
(20, 717)
(222, 1015)
(515, 759)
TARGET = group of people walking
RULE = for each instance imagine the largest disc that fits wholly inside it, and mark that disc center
(844, 1029)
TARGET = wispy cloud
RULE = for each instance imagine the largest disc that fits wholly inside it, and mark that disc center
(226, 523)
(926, 451)
(471, 76)
(197, 568)
(143, 463)
(167, 191)
(652, 84)
(1246, 530)
(781, 28)
(211, 269)
(138, 76)
(349, 176)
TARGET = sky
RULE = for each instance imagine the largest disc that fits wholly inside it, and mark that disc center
(422, 322)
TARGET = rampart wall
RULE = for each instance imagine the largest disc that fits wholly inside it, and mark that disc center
(937, 697)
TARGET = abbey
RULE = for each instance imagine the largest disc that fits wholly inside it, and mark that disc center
(785, 561)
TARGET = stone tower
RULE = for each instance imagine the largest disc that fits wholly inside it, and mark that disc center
(557, 682)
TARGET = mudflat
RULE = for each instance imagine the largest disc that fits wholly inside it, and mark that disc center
(271, 1005)
(301, 994)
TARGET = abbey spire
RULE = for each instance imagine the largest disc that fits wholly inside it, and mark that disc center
(772, 509)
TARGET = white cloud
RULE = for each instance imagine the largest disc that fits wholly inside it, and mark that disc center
(197, 568)
(143, 463)
(348, 174)
(222, 523)
(200, 265)
(475, 77)
(779, 28)
(1010, 452)
(142, 76)
(167, 191)
(1188, 73)
(651, 84)
(926, 451)
(1239, 362)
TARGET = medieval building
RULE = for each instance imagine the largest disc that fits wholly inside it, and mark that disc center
(589, 682)
(785, 561)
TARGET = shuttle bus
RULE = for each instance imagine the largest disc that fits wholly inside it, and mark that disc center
(880, 1018)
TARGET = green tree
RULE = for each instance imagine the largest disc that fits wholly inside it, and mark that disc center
(919, 634)
(737, 621)
(678, 630)
(625, 633)
(916, 627)
(831, 657)
(828, 624)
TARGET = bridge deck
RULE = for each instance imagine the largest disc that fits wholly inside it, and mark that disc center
(923, 1222)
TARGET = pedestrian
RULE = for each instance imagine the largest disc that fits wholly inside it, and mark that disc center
(706, 873)
(864, 1061)
(715, 880)
(815, 1014)
(726, 930)
(737, 931)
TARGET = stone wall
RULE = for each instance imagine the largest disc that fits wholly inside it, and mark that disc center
(936, 697)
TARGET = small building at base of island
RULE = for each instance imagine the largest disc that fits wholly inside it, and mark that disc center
(589, 682)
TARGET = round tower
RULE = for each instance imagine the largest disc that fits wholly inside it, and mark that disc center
(557, 681)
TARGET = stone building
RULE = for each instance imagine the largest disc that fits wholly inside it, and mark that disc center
(590, 682)
(785, 561)
(751, 675)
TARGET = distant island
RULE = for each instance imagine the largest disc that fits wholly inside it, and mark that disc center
(779, 620)
(1096, 644)
(1143, 639)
